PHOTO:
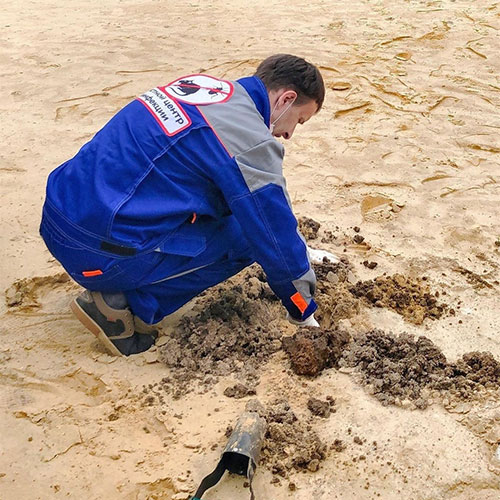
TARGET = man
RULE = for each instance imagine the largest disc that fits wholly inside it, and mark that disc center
(180, 190)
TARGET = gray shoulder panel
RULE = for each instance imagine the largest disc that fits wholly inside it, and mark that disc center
(243, 132)
(237, 122)
(262, 165)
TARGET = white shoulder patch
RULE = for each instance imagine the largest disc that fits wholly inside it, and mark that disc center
(166, 111)
(199, 90)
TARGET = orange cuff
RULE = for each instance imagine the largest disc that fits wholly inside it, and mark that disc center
(299, 301)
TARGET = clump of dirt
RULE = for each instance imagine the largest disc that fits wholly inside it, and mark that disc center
(238, 391)
(319, 408)
(402, 369)
(308, 228)
(338, 445)
(290, 443)
(471, 374)
(410, 297)
(311, 350)
(328, 273)
(232, 333)
(335, 301)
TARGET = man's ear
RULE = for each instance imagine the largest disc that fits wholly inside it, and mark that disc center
(289, 96)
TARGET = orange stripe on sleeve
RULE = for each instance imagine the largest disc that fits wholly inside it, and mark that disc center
(89, 274)
(299, 301)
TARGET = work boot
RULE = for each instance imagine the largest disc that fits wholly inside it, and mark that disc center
(113, 327)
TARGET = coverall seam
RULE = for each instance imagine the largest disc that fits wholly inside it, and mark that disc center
(79, 245)
(268, 229)
(56, 227)
(151, 166)
(127, 197)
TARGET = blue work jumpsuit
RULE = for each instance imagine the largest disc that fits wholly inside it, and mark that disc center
(180, 190)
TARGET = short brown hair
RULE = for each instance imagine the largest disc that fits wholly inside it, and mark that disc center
(294, 73)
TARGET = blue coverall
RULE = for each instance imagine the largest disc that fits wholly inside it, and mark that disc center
(180, 190)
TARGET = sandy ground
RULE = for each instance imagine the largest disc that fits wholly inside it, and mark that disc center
(406, 148)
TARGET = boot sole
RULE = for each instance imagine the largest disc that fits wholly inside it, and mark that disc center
(93, 327)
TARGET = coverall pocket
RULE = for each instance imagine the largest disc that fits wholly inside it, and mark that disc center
(86, 267)
(184, 244)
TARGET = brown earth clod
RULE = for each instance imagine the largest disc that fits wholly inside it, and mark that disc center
(311, 350)
(319, 408)
(308, 228)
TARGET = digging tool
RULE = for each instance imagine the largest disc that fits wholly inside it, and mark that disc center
(241, 454)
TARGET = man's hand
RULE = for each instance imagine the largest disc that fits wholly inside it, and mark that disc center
(316, 256)
(310, 321)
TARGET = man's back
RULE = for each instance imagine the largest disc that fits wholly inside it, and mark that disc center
(134, 183)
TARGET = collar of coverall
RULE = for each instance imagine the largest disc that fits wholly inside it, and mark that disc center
(258, 92)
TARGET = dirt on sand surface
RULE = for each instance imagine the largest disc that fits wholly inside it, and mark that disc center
(395, 368)
(410, 297)
(239, 391)
(399, 369)
(340, 294)
(333, 296)
(406, 148)
(320, 408)
(308, 227)
(290, 442)
(234, 330)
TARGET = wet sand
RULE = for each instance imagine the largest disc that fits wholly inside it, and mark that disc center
(404, 154)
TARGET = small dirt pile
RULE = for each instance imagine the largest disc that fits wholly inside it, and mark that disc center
(335, 301)
(410, 297)
(339, 296)
(290, 443)
(399, 369)
(235, 330)
(320, 408)
(395, 368)
(332, 295)
(471, 375)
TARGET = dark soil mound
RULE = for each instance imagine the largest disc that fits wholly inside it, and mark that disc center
(320, 408)
(395, 367)
(398, 368)
(235, 330)
(328, 273)
(473, 373)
